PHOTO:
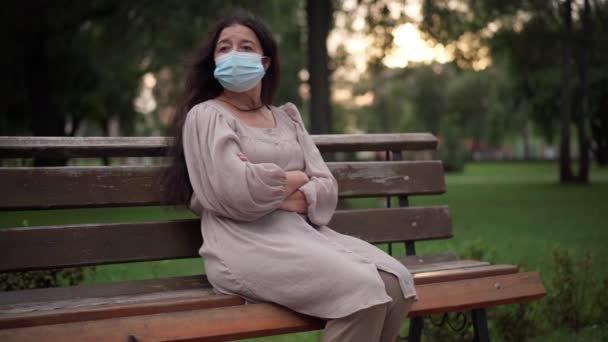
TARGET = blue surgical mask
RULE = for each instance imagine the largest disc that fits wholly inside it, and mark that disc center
(239, 71)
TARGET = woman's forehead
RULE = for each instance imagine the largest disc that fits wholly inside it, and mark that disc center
(238, 33)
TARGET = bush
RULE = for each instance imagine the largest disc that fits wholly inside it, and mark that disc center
(576, 302)
(451, 151)
(517, 322)
(576, 299)
(11, 281)
(478, 250)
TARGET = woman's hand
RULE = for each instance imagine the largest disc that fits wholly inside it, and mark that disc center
(242, 156)
(295, 179)
(295, 202)
(295, 199)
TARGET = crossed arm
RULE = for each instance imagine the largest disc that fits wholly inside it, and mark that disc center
(294, 199)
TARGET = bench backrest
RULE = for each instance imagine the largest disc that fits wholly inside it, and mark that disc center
(37, 188)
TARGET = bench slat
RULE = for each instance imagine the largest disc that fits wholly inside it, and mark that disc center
(54, 246)
(257, 320)
(72, 147)
(138, 287)
(60, 305)
(464, 273)
(81, 187)
(12, 299)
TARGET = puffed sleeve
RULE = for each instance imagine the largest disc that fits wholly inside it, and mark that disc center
(221, 181)
(322, 191)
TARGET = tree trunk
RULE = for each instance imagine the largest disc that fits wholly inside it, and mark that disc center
(526, 136)
(583, 140)
(599, 126)
(318, 15)
(565, 171)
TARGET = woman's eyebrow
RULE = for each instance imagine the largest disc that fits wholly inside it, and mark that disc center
(242, 41)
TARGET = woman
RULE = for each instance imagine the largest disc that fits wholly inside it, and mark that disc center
(254, 176)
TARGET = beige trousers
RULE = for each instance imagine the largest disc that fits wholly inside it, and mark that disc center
(378, 323)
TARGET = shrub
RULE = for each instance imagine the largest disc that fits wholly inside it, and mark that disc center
(568, 302)
(11, 281)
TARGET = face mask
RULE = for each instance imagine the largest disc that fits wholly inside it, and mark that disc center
(239, 71)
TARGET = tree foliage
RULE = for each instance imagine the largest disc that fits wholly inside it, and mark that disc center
(69, 62)
(529, 36)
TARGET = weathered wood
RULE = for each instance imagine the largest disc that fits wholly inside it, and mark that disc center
(72, 147)
(256, 320)
(148, 286)
(97, 244)
(75, 147)
(375, 142)
(468, 294)
(428, 258)
(389, 178)
(446, 265)
(84, 309)
(54, 246)
(74, 187)
(223, 324)
(463, 273)
(394, 224)
(100, 301)
(15, 299)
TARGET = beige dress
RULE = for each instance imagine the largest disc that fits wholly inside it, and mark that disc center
(265, 254)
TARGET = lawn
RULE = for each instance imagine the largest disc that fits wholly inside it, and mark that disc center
(509, 212)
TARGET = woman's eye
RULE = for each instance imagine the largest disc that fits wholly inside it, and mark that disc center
(247, 48)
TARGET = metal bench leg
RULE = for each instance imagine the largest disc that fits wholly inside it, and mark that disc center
(480, 323)
(415, 333)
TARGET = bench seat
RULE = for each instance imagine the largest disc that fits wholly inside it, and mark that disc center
(177, 314)
(97, 301)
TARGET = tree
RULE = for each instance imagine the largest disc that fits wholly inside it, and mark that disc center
(71, 63)
(318, 18)
(565, 171)
(526, 33)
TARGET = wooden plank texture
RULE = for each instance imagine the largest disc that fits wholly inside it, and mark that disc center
(95, 244)
(394, 224)
(141, 287)
(74, 187)
(242, 321)
(71, 147)
(463, 273)
(85, 302)
(16, 299)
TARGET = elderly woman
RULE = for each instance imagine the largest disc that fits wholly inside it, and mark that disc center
(264, 195)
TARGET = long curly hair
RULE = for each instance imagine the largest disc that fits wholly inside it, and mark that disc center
(201, 86)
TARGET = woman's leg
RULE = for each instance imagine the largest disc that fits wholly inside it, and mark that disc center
(377, 323)
(397, 309)
(362, 326)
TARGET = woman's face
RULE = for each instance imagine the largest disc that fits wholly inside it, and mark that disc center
(237, 38)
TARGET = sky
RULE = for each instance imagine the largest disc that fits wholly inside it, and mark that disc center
(408, 41)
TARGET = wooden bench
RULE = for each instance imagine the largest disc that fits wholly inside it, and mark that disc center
(186, 308)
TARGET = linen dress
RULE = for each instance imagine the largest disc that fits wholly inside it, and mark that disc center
(255, 250)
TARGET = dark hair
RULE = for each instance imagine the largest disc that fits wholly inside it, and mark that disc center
(201, 86)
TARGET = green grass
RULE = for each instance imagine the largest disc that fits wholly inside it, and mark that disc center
(515, 212)
(520, 213)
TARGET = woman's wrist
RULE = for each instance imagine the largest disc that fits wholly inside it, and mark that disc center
(295, 179)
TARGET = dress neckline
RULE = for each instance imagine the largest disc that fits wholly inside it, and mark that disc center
(270, 107)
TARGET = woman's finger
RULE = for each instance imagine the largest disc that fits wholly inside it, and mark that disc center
(242, 156)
